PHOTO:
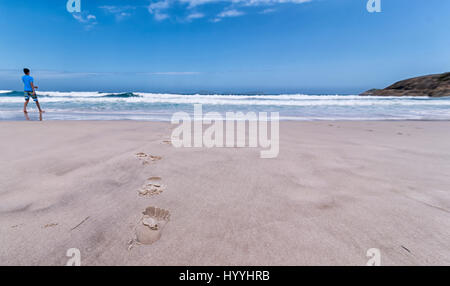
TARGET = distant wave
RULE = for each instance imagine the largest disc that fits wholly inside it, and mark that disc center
(71, 93)
(209, 96)
(159, 96)
(97, 94)
(121, 95)
(238, 102)
(294, 100)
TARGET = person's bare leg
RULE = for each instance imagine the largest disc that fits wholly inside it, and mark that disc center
(25, 106)
(39, 107)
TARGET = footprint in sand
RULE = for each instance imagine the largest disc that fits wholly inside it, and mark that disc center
(154, 179)
(147, 158)
(153, 187)
(150, 226)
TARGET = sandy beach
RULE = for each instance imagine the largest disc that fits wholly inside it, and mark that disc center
(336, 190)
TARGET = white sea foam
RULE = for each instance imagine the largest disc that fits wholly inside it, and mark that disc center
(5, 91)
(275, 97)
(244, 102)
(69, 94)
(159, 106)
(75, 94)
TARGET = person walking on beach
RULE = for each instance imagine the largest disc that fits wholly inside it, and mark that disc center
(30, 90)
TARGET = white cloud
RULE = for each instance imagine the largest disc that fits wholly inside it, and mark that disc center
(88, 20)
(227, 14)
(158, 6)
(123, 14)
(194, 3)
(267, 11)
(116, 9)
(160, 9)
(157, 9)
(195, 15)
(160, 16)
(230, 13)
(85, 19)
(119, 12)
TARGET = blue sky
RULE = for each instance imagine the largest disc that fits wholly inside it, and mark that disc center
(270, 46)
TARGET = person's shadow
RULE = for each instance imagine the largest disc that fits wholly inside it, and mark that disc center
(27, 117)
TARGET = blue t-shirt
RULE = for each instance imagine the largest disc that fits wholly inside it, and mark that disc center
(27, 80)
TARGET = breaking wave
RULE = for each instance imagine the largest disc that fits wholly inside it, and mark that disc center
(137, 105)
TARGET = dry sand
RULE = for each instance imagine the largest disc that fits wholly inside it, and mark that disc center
(335, 190)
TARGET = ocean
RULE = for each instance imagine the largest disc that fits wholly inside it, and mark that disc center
(161, 106)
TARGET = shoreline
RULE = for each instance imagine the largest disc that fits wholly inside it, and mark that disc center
(161, 107)
(34, 117)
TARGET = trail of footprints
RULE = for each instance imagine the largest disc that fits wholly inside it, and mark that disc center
(153, 220)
